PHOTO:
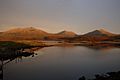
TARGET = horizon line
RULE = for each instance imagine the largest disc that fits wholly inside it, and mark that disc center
(4, 30)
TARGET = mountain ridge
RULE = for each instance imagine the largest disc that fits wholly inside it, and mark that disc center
(100, 32)
(67, 33)
(31, 33)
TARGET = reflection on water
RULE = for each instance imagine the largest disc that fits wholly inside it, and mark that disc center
(102, 46)
(59, 63)
(7, 56)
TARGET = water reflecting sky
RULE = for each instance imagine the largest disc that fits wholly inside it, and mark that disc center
(63, 63)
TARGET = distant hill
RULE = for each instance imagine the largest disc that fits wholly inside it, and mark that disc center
(23, 33)
(114, 38)
(67, 34)
(100, 32)
(61, 35)
(31, 33)
(96, 35)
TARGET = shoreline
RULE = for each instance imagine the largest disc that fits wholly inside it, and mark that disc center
(34, 45)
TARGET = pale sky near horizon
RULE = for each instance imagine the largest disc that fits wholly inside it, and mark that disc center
(80, 16)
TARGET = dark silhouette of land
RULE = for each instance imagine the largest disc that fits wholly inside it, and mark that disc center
(9, 54)
(107, 76)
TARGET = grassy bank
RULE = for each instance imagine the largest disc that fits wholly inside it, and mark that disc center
(37, 43)
(13, 45)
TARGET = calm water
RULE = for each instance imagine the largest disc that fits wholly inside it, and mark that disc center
(63, 63)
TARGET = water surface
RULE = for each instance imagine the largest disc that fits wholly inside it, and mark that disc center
(63, 63)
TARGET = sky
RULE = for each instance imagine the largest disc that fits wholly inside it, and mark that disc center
(80, 16)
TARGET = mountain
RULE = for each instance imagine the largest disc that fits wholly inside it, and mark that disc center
(24, 33)
(67, 34)
(29, 30)
(115, 38)
(31, 33)
(61, 35)
(100, 33)
(96, 35)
